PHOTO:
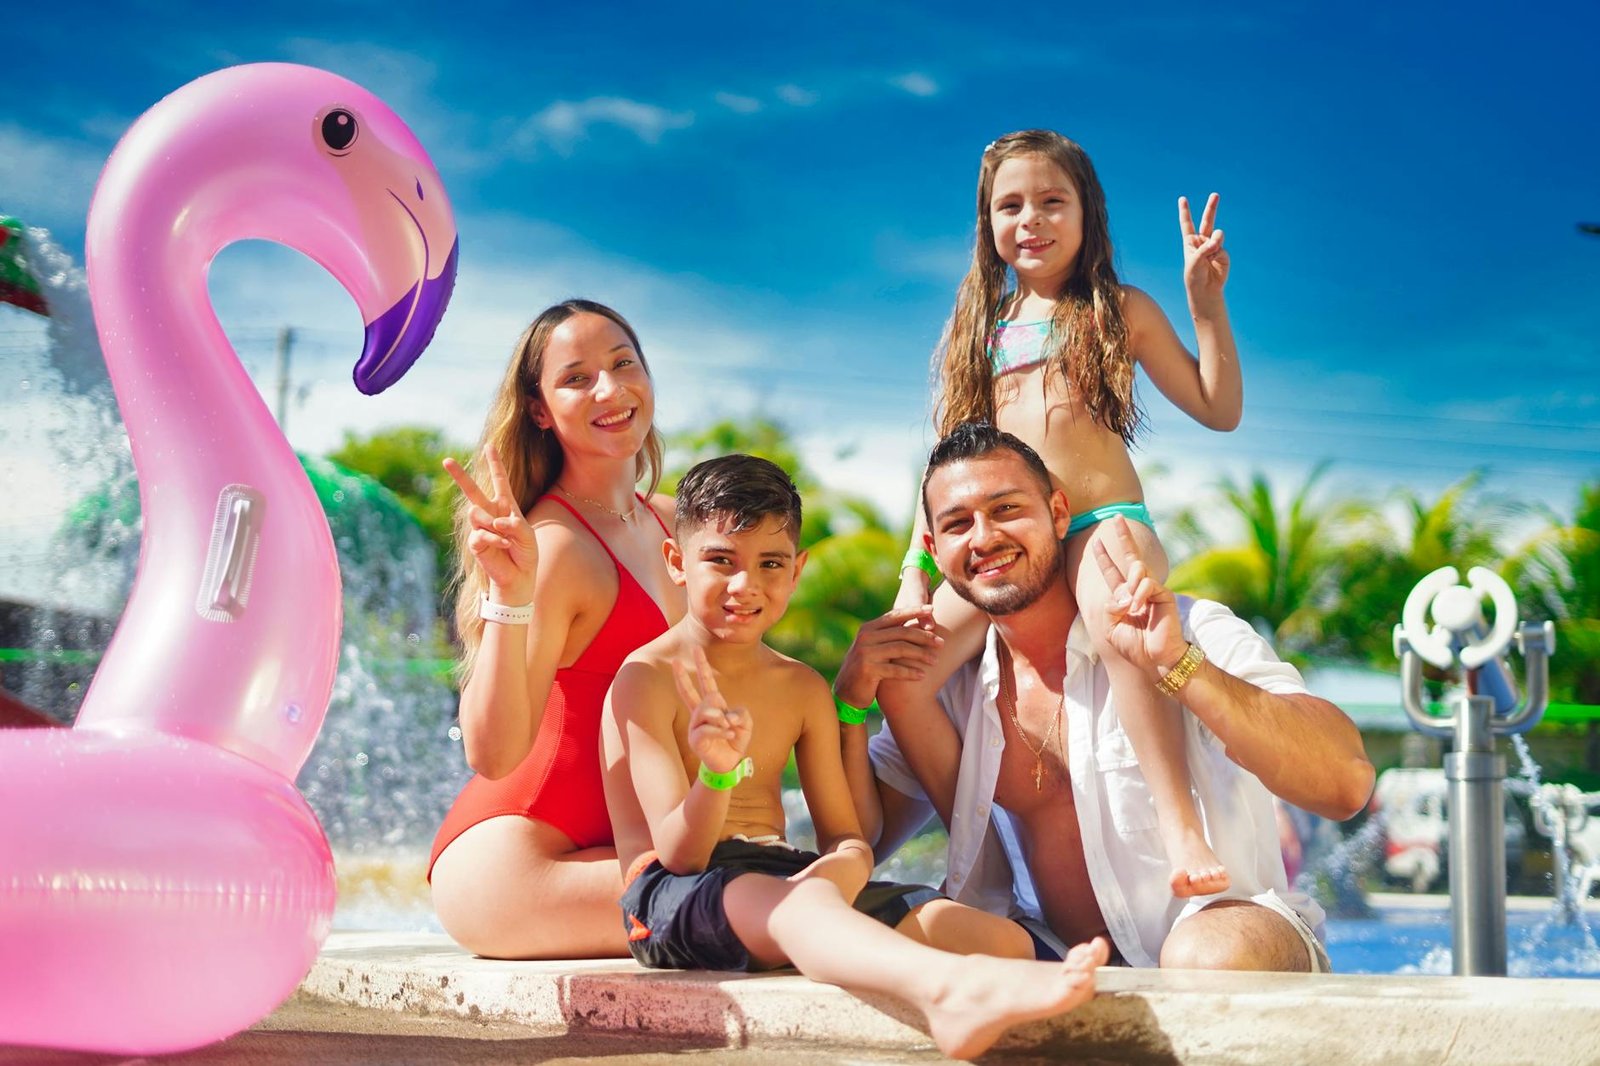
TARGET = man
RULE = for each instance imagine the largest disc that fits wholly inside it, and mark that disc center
(1048, 813)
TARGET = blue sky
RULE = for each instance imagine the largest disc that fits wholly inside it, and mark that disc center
(780, 197)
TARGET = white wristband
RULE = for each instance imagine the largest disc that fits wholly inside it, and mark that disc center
(499, 612)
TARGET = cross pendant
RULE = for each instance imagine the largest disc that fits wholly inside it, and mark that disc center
(1038, 775)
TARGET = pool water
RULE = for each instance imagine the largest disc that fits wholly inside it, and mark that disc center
(1408, 941)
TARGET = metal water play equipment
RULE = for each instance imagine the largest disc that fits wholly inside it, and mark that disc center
(1474, 770)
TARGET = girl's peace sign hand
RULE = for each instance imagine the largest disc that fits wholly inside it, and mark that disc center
(1142, 620)
(1205, 262)
(501, 539)
(718, 734)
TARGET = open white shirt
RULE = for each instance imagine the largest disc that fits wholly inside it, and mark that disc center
(1127, 864)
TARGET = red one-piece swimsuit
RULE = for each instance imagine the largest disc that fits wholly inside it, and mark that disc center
(559, 781)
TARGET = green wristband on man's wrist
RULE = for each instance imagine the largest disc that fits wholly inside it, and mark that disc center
(853, 715)
(923, 560)
(723, 782)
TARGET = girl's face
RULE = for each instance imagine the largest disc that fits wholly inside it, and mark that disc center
(594, 391)
(1037, 219)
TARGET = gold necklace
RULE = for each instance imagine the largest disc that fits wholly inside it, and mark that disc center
(1008, 693)
(625, 516)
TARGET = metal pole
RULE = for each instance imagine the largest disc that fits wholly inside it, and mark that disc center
(1475, 772)
(285, 345)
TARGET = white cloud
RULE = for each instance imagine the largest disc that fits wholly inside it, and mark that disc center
(916, 83)
(48, 181)
(566, 122)
(795, 95)
(741, 105)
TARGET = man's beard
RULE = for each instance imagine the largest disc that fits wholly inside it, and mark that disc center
(997, 601)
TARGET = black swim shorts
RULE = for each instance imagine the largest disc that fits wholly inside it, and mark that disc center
(677, 921)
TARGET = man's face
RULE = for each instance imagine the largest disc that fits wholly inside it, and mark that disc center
(995, 533)
(738, 584)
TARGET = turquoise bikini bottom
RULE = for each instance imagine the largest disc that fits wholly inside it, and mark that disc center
(1135, 511)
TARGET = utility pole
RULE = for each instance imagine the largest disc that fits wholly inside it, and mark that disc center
(285, 346)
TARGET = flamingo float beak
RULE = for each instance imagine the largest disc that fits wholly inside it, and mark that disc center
(397, 337)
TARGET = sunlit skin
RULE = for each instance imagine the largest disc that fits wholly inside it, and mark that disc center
(509, 886)
(1037, 217)
(710, 692)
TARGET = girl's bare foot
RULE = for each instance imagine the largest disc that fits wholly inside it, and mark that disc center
(984, 996)
(1195, 869)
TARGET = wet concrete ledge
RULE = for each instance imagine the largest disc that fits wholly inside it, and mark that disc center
(1138, 1016)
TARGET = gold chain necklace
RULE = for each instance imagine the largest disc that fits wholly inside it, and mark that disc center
(625, 516)
(1008, 693)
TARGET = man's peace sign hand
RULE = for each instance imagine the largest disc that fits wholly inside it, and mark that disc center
(1142, 614)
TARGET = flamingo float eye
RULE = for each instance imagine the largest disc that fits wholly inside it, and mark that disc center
(338, 130)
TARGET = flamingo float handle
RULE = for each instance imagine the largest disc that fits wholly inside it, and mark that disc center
(163, 883)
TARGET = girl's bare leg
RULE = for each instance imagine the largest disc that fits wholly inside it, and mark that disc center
(969, 1000)
(1153, 722)
(515, 888)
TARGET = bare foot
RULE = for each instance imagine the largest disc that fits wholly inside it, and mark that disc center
(984, 996)
(1195, 869)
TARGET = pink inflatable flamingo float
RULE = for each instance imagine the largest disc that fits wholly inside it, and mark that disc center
(162, 883)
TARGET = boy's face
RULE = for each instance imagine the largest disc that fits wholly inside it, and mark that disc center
(738, 584)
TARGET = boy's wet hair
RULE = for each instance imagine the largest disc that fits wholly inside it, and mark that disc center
(738, 493)
(973, 440)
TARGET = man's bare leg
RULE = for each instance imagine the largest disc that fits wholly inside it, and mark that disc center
(968, 1000)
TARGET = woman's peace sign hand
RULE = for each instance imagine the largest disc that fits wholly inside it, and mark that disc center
(501, 539)
(1205, 261)
(718, 734)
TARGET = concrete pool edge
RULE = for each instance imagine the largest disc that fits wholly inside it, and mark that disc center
(1139, 1015)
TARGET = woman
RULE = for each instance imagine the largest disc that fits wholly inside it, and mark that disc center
(562, 576)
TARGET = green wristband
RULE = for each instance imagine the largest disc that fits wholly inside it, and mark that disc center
(723, 782)
(922, 559)
(853, 715)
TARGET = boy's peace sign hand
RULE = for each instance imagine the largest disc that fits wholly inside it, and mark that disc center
(1205, 261)
(718, 734)
(1142, 614)
(501, 539)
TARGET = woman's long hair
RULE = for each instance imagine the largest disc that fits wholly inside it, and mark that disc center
(1088, 329)
(532, 456)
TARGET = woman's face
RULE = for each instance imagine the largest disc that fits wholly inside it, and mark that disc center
(594, 391)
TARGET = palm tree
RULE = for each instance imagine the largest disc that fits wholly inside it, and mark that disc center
(1284, 575)
(1459, 528)
(1557, 574)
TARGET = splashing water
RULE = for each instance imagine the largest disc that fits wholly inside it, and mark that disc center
(385, 767)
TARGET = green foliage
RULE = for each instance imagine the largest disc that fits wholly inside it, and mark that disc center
(1557, 573)
(1285, 572)
(407, 460)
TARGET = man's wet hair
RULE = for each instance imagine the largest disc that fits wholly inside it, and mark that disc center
(973, 440)
(737, 493)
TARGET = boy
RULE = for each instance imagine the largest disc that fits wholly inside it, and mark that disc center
(697, 729)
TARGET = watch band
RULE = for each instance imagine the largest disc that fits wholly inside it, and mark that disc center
(1181, 671)
(499, 612)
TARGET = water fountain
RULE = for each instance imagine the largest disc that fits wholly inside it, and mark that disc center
(1474, 770)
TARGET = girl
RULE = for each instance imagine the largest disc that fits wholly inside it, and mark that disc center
(548, 606)
(1052, 362)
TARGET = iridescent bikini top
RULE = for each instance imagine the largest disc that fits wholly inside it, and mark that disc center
(1019, 345)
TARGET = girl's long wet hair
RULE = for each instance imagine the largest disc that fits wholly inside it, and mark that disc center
(531, 455)
(1088, 330)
